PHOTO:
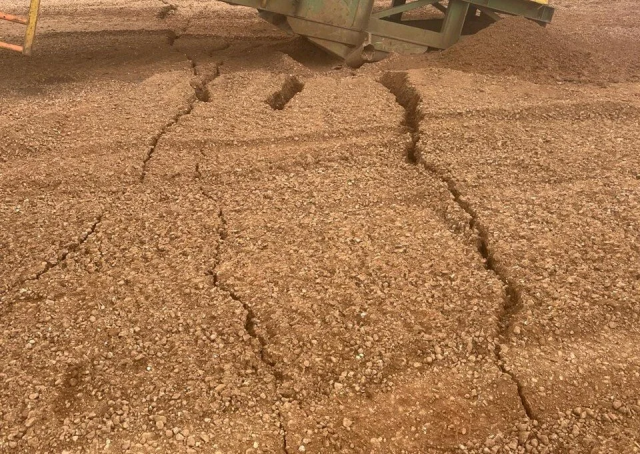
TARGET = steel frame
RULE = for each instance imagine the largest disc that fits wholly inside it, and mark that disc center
(352, 30)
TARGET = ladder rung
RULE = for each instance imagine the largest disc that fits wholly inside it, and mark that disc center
(30, 21)
(12, 18)
(11, 47)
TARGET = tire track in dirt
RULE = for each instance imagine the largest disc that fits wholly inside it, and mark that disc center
(409, 98)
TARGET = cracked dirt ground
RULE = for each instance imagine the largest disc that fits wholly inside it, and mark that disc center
(214, 238)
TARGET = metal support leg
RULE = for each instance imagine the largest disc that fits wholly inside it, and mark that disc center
(453, 22)
(397, 17)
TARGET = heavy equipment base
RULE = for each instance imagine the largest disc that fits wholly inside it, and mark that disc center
(355, 31)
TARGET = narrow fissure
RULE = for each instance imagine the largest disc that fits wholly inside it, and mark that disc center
(63, 257)
(291, 87)
(156, 138)
(74, 247)
(172, 37)
(166, 10)
(407, 97)
(512, 299)
(250, 318)
(199, 83)
(285, 443)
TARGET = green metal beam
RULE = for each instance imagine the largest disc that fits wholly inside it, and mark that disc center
(525, 8)
(400, 47)
(401, 32)
(453, 22)
(327, 32)
(402, 8)
(440, 7)
(489, 13)
(396, 17)
(286, 7)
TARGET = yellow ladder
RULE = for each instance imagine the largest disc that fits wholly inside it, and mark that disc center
(30, 21)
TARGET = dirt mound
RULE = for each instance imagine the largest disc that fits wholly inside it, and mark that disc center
(522, 48)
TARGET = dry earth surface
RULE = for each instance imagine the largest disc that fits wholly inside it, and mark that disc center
(214, 238)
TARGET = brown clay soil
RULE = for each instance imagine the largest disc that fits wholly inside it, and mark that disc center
(214, 238)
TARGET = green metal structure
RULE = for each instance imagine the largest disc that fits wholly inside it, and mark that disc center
(359, 31)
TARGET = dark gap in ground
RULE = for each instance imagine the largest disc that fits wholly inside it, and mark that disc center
(156, 138)
(291, 87)
(74, 247)
(220, 47)
(407, 96)
(201, 77)
(250, 328)
(250, 318)
(409, 99)
(63, 256)
(166, 11)
(172, 37)
(512, 298)
(201, 82)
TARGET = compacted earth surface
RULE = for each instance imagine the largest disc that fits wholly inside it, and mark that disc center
(216, 238)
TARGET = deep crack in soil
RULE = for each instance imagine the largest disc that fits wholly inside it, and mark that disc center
(409, 98)
(199, 83)
(73, 247)
(512, 299)
(397, 83)
(291, 87)
(250, 318)
(156, 138)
